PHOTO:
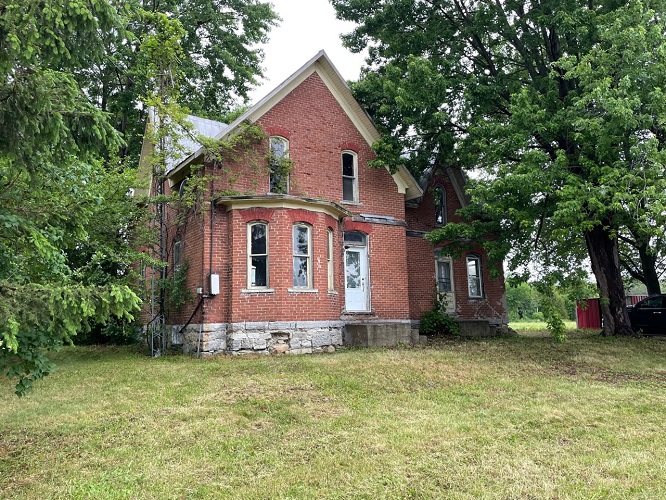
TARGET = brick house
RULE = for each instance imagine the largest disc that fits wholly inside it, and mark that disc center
(304, 247)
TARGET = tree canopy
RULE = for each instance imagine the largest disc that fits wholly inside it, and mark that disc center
(557, 105)
(219, 58)
(74, 80)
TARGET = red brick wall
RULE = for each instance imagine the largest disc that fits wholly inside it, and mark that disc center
(388, 272)
(191, 234)
(281, 304)
(318, 131)
(421, 268)
(421, 256)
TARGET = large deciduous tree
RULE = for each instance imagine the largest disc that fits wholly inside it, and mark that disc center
(558, 104)
(220, 60)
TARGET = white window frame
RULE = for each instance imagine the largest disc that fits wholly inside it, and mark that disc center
(472, 258)
(307, 256)
(250, 255)
(354, 178)
(285, 141)
(329, 260)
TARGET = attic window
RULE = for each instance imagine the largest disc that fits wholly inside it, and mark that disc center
(349, 176)
(279, 166)
(439, 199)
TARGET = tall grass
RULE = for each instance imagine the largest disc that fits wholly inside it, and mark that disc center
(521, 417)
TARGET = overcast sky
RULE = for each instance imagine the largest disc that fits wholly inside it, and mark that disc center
(307, 27)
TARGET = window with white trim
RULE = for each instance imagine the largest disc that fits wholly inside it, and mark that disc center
(439, 199)
(257, 255)
(279, 175)
(329, 260)
(302, 256)
(474, 280)
(349, 176)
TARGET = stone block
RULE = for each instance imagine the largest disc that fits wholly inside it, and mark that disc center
(279, 349)
(300, 335)
(240, 341)
(236, 327)
(300, 351)
(281, 326)
(259, 326)
(336, 337)
(321, 338)
(377, 334)
(216, 345)
(475, 328)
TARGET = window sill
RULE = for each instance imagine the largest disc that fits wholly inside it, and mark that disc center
(302, 290)
(332, 292)
(349, 202)
(257, 290)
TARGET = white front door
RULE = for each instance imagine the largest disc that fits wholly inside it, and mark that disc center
(357, 285)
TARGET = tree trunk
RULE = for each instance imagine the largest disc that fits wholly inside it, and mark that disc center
(648, 263)
(605, 258)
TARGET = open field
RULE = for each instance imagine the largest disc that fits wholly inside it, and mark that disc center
(537, 326)
(520, 417)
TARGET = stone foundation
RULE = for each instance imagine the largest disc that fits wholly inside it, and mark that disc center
(479, 328)
(297, 337)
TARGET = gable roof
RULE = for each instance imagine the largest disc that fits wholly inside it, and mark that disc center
(336, 84)
(455, 175)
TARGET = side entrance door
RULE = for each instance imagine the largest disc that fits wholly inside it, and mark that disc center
(357, 284)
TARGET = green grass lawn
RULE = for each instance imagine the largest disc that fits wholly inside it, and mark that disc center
(519, 417)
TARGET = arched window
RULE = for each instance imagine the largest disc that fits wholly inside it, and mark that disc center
(474, 279)
(439, 199)
(279, 174)
(355, 238)
(257, 255)
(349, 176)
(302, 256)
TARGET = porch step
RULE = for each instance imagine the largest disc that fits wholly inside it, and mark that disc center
(377, 334)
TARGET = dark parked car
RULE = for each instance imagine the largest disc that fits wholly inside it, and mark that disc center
(649, 315)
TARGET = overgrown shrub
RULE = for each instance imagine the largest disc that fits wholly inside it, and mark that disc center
(436, 323)
(115, 332)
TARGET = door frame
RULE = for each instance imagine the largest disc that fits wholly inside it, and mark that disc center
(362, 249)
